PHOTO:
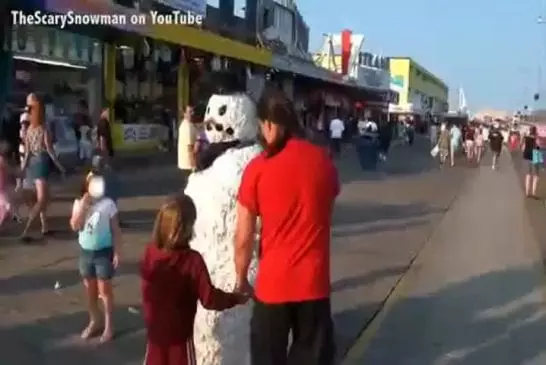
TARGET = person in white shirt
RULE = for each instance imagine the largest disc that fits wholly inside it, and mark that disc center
(85, 144)
(187, 138)
(485, 133)
(337, 127)
(434, 133)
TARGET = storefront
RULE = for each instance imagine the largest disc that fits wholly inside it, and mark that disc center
(421, 93)
(64, 68)
(132, 89)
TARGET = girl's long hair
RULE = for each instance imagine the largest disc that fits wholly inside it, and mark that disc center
(173, 227)
(37, 111)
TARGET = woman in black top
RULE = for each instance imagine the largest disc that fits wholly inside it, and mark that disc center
(529, 145)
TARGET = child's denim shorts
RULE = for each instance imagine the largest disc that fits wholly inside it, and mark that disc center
(97, 264)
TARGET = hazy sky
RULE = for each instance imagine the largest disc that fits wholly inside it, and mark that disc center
(492, 48)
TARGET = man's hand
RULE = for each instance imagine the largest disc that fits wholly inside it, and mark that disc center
(242, 298)
(244, 287)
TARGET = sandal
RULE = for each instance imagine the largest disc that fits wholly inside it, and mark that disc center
(106, 336)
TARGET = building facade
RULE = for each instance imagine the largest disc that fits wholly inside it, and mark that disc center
(285, 29)
(420, 91)
(343, 53)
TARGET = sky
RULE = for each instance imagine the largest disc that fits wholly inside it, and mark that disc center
(493, 49)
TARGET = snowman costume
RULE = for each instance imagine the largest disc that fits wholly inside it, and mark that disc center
(222, 338)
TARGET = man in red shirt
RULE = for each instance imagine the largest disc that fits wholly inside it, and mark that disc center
(291, 187)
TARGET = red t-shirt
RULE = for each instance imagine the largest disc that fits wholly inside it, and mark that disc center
(293, 193)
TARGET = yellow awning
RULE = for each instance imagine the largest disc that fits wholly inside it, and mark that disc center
(209, 42)
(173, 33)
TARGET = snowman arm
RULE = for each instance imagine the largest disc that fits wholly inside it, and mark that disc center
(245, 233)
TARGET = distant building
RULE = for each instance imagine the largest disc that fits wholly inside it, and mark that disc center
(420, 91)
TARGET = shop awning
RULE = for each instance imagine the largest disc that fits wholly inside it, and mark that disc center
(178, 34)
(306, 68)
(210, 42)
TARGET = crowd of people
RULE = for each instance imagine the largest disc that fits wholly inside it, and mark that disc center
(474, 139)
(471, 139)
(282, 197)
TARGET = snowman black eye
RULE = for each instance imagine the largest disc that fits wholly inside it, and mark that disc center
(222, 110)
(208, 110)
(230, 131)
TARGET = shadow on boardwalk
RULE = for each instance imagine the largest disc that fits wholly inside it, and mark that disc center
(536, 209)
(485, 320)
(403, 161)
(348, 213)
(55, 340)
(500, 322)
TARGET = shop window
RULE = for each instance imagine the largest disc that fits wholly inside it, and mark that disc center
(146, 75)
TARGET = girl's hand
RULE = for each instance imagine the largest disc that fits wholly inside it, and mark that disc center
(115, 260)
(61, 170)
(86, 200)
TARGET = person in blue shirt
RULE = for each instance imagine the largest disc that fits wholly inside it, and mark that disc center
(95, 218)
(455, 141)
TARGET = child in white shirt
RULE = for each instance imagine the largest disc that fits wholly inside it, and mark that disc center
(86, 144)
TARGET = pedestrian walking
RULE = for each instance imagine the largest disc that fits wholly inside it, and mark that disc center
(469, 143)
(104, 141)
(495, 145)
(291, 186)
(479, 145)
(9, 133)
(38, 152)
(24, 123)
(85, 145)
(534, 159)
(173, 279)
(434, 134)
(95, 219)
(443, 143)
(9, 206)
(187, 139)
(337, 127)
(455, 134)
(385, 137)
(81, 118)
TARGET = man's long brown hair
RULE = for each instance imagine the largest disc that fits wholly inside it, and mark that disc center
(173, 228)
(37, 111)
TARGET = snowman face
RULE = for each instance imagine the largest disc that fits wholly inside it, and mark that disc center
(231, 118)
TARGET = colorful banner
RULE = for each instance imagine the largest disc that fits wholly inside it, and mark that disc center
(345, 50)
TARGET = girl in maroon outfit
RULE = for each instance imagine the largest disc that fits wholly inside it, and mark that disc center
(173, 278)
